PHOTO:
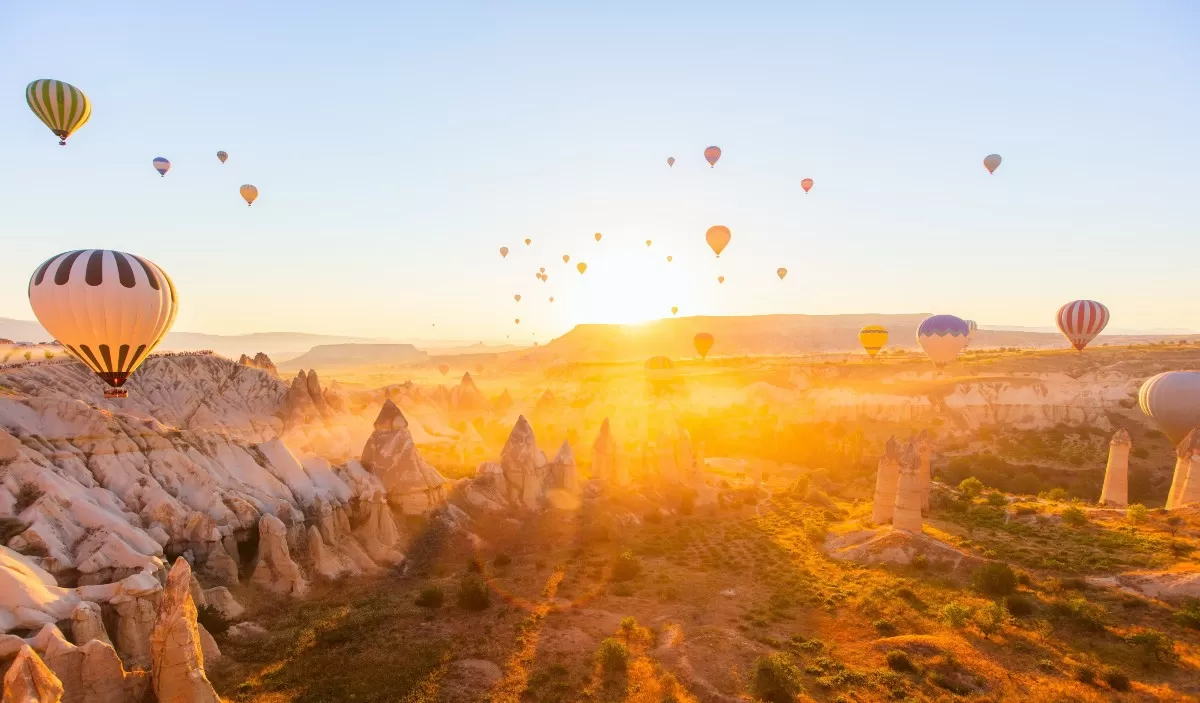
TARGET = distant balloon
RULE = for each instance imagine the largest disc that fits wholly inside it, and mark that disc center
(674, 310)
(249, 193)
(443, 368)
(598, 236)
(711, 154)
(720, 279)
(60, 106)
(1081, 320)
(566, 258)
(671, 161)
(718, 237)
(670, 259)
(527, 241)
(649, 242)
(806, 184)
(581, 267)
(991, 162)
(781, 272)
(503, 251)
(942, 337)
(222, 156)
(542, 270)
(703, 342)
(552, 298)
(162, 166)
(1172, 399)
(873, 338)
(517, 297)
(516, 321)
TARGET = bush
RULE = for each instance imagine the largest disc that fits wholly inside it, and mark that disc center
(1055, 494)
(1085, 674)
(996, 499)
(1115, 678)
(899, 661)
(212, 619)
(1020, 605)
(990, 619)
(473, 593)
(1188, 614)
(613, 655)
(956, 614)
(776, 679)
(628, 627)
(885, 628)
(1136, 513)
(995, 578)
(430, 597)
(626, 566)
(971, 487)
(1074, 517)
(1154, 647)
(1089, 616)
(502, 560)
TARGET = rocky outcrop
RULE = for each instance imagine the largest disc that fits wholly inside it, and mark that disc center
(136, 609)
(92, 672)
(888, 545)
(924, 453)
(378, 534)
(275, 570)
(605, 463)
(1116, 474)
(220, 599)
(907, 513)
(220, 567)
(523, 466)
(412, 484)
(175, 643)
(467, 399)
(87, 624)
(1185, 484)
(563, 472)
(29, 680)
(261, 362)
(886, 480)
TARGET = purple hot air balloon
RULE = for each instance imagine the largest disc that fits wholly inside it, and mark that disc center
(942, 337)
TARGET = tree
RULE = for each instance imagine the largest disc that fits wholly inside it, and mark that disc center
(995, 579)
(991, 618)
(1074, 517)
(1136, 513)
(971, 487)
(627, 627)
(28, 355)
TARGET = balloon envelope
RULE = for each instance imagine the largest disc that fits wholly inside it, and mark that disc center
(527, 242)
(873, 338)
(1081, 320)
(674, 310)
(221, 156)
(806, 184)
(703, 342)
(249, 193)
(443, 368)
(60, 106)
(718, 237)
(711, 154)
(991, 162)
(504, 251)
(670, 160)
(781, 272)
(649, 242)
(162, 166)
(720, 279)
(566, 258)
(109, 308)
(598, 236)
(670, 259)
(581, 267)
(517, 298)
(1172, 399)
(942, 337)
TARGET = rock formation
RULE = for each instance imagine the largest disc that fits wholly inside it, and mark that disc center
(1185, 484)
(1116, 474)
(29, 680)
(136, 609)
(886, 480)
(924, 452)
(524, 466)
(220, 599)
(466, 398)
(378, 534)
(220, 567)
(275, 570)
(564, 474)
(907, 513)
(175, 644)
(260, 361)
(605, 464)
(412, 484)
(92, 672)
(87, 624)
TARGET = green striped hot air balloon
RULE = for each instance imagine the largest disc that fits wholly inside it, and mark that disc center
(61, 106)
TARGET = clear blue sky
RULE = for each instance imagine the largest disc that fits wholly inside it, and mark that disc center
(397, 146)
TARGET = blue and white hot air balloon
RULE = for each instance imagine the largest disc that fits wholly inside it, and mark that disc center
(942, 337)
(162, 166)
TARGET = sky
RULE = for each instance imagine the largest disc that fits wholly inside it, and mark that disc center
(398, 146)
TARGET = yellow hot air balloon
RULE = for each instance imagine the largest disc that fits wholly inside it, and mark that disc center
(581, 267)
(720, 279)
(873, 338)
(648, 242)
(781, 272)
(504, 252)
(60, 106)
(566, 258)
(703, 342)
(527, 241)
(249, 194)
(674, 310)
(718, 237)
(109, 308)
(598, 236)
(669, 259)
(517, 297)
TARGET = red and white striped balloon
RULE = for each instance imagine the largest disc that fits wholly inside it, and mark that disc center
(1081, 320)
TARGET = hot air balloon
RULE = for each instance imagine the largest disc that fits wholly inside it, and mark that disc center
(162, 166)
(109, 308)
(566, 258)
(720, 279)
(991, 162)
(649, 242)
(806, 184)
(1172, 399)
(873, 338)
(517, 297)
(674, 310)
(781, 272)
(542, 270)
(552, 298)
(503, 252)
(516, 321)
(1081, 320)
(711, 154)
(703, 342)
(443, 368)
(942, 337)
(671, 161)
(718, 237)
(60, 106)
(670, 259)
(581, 267)
(249, 194)
(527, 241)
(598, 236)
(221, 156)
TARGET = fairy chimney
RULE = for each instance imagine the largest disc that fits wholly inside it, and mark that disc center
(885, 483)
(1116, 474)
(1185, 485)
(907, 513)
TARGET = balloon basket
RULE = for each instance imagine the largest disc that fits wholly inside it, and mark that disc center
(116, 393)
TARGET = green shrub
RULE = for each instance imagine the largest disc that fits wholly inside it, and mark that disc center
(1055, 494)
(776, 679)
(1020, 605)
(430, 597)
(1085, 674)
(1074, 517)
(899, 661)
(473, 593)
(1115, 678)
(613, 655)
(991, 618)
(1153, 646)
(996, 499)
(995, 579)
(1087, 615)
(1188, 614)
(627, 627)
(956, 614)
(626, 566)
(1136, 513)
(970, 487)
(212, 619)
(885, 628)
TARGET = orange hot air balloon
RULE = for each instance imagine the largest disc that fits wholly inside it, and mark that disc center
(703, 342)
(711, 154)
(517, 297)
(674, 310)
(581, 267)
(516, 321)
(720, 279)
(566, 258)
(249, 194)
(670, 259)
(552, 298)
(806, 184)
(718, 237)
(598, 236)
(649, 242)
(527, 241)
(444, 368)
(781, 272)
(542, 270)
(503, 251)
